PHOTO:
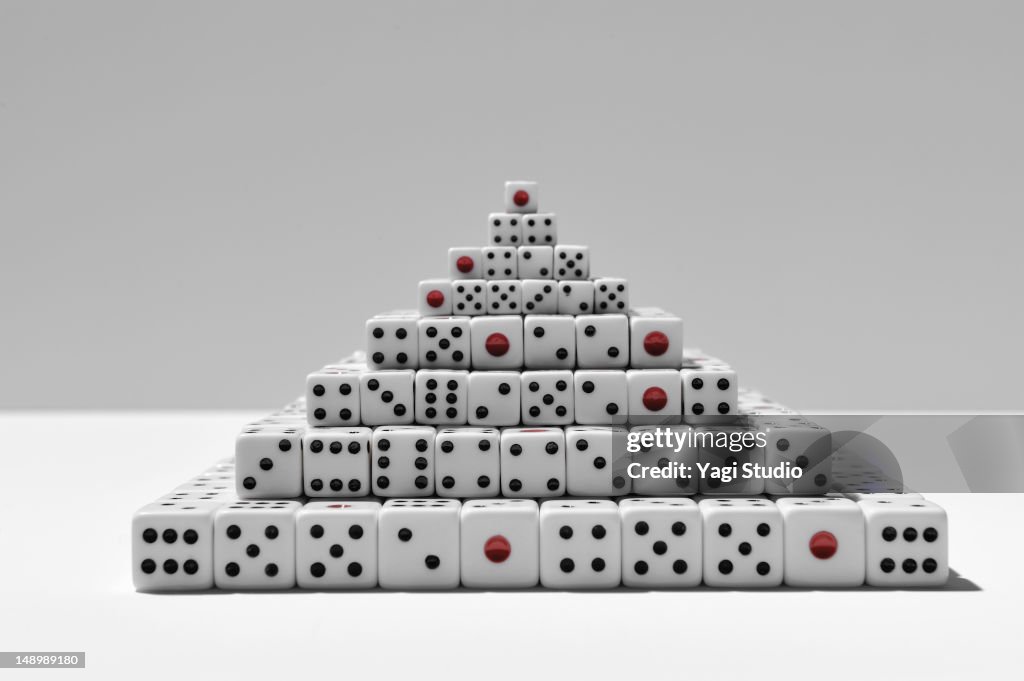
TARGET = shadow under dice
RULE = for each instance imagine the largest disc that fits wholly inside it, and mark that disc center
(596, 461)
(254, 545)
(743, 542)
(547, 397)
(494, 398)
(336, 462)
(268, 462)
(441, 397)
(418, 544)
(662, 544)
(466, 461)
(172, 546)
(580, 544)
(499, 543)
(403, 461)
(336, 545)
(532, 462)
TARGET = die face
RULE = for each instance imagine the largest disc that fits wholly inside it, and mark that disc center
(500, 545)
(392, 342)
(601, 397)
(332, 398)
(907, 542)
(540, 229)
(547, 397)
(442, 397)
(504, 297)
(520, 197)
(504, 229)
(336, 462)
(402, 461)
(435, 297)
(172, 546)
(725, 451)
(580, 544)
(386, 397)
(655, 396)
(467, 462)
(611, 295)
(532, 462)
(494, 398)
(676, 460)
(254, 545)
(743, 542)
(572, 262)
(709, 395)
(540, 296)
(656, 342)
(596, 461)
(662, 542)
(336, 545)
(802, 445)
(500, 262)
(549, 342)
(824, 542)
(535, 262)
(575, 297)
(497, 342)
(418, 544)
(469, 297)
(465, 263)
(444, 342)
(269, 462)
(602, 341)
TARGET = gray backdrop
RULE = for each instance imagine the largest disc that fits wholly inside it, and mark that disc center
(202, 201)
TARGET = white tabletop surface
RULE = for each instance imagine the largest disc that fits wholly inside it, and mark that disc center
(71, 481)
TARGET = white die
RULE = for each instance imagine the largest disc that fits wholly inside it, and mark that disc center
(172, 546)
(500, 262)
(743, 542)
(336, 462)
(387, 397)
(540, 296)
(655, 396)
(677, 472)
(535, 262)
(572, 262)
(442, 397)
(602, 341)
(549, 342)
(596, 461)
(402, 461)
(336, 545)
(497, 342)
(268, 461)
(611, 295)
(824, 541)
(332, 397)
(540, 229)
(466, 461)
(656, 341)
(532, 462)
(465, 263)
(500, 543)
(575, 297)
(469, 297)
(662, 543)
(601, 397)
(444, 342)
(254, 545)
(724, 453)
(435, 297)
(520, 197)
(504, 297)
(799, 444)
(709, 395)
(504, 229)
(418, 544)
(494, 398)
(392, 342)
(547, 398)
(907, 542)
(580, 544)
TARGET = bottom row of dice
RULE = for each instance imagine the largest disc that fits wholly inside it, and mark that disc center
(885, 540)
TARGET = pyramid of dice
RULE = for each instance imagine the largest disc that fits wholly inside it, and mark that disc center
(525, 425)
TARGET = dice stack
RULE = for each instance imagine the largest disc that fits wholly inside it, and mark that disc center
(481, 440)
